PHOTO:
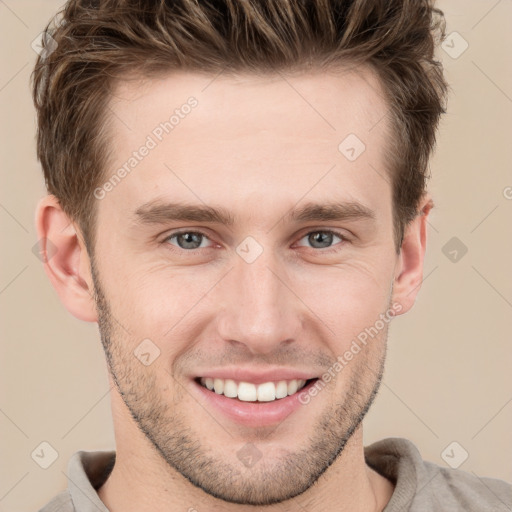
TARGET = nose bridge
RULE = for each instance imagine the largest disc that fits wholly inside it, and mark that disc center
(260, 311)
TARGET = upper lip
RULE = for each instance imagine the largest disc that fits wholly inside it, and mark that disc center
(255, 376)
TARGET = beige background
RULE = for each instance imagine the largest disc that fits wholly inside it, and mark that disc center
(448, 372)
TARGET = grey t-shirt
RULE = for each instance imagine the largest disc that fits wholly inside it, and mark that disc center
(420, 486)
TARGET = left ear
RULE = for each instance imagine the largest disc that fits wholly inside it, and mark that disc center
(65, 259)
(409, 266)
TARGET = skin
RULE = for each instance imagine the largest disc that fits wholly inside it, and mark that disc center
(255, 147)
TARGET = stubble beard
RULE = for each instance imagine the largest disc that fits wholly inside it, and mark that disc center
(269, 481)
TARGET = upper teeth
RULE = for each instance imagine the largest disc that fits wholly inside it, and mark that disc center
(249, 392)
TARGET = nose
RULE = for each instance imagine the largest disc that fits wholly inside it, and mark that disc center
(259, 307)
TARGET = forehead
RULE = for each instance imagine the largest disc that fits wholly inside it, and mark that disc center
(245, 139)
(323, 102)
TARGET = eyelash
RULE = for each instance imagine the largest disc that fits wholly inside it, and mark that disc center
(196, 232)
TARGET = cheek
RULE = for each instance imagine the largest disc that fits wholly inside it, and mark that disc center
(158, 302)
(163, 305)
(352, 301)
(347, 296)
(143, 302)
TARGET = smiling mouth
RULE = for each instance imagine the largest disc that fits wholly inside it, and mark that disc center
(249, 392)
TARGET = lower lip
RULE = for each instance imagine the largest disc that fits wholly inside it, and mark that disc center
(254, 414)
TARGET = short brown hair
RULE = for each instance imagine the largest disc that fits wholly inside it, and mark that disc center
(98, 42)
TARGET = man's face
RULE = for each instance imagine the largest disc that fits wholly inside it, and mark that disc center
(270, 297)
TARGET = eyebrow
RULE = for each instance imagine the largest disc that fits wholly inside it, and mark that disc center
(157, 212)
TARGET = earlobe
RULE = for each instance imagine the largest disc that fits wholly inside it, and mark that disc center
(65, 259)
(409, 267)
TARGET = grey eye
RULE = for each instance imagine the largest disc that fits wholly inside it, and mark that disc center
(322, 239)
(188, 239)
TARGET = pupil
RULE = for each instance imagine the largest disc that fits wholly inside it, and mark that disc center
(317, 237)
(189, 239)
